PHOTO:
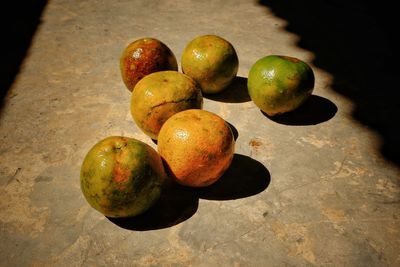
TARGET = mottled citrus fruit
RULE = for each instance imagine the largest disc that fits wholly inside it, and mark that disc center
(279, 84)
(145, 56)
(197, 147)
(122, 177)
(211, 61)
(160, 95)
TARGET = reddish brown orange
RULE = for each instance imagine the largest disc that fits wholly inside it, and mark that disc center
(145, 56)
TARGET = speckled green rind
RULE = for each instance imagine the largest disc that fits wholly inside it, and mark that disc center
(211, 61)
(122, 177)
(160, 95)
(279, 84)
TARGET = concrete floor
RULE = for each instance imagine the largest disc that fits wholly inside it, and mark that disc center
(311, 188)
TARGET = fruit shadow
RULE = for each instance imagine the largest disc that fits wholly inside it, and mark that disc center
(176, 204)
(245, 177)
(234, 131)
(315, 110)
(236, 92)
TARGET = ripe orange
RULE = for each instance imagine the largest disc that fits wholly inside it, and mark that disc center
(145, 56)
(160, 95)
(197, 147)
(211, 61)
(279, 84)
(122, 177)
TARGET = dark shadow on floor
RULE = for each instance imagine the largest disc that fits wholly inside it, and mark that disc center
(236, 92)
(176, 204)
(19, 21)
(353, 41)
(315, 110)
(234, 131)
(245, 177)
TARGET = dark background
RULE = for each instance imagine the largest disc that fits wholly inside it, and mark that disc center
(19, 21)
(355, 42)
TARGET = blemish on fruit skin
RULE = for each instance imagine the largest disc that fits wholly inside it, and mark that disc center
(255, 143)
(121, 174)
(137, 53)
(198, 54)
(205, 130)
(148, 93)
(268, 74)
(195, 117)
(291, 59)
(182, 134)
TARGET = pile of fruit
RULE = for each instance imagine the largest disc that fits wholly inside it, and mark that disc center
(124, 177)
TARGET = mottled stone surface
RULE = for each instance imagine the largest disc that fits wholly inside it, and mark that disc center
(308, 190)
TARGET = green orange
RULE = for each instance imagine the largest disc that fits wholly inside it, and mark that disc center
(197, 147)
(279, 84)
(145, 56)
(122, 177)
(160, 95)
(211, 61)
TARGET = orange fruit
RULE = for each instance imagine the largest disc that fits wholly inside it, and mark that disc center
(197, 147)
(122, 177)
(145, 56)
(211, 61)
(279, 84)
(160, 95)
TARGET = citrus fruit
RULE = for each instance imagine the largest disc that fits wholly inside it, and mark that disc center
(197, 147)
(145, 56)
(279, 84)
(160, 95)
(211, 61)
(122, 177)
